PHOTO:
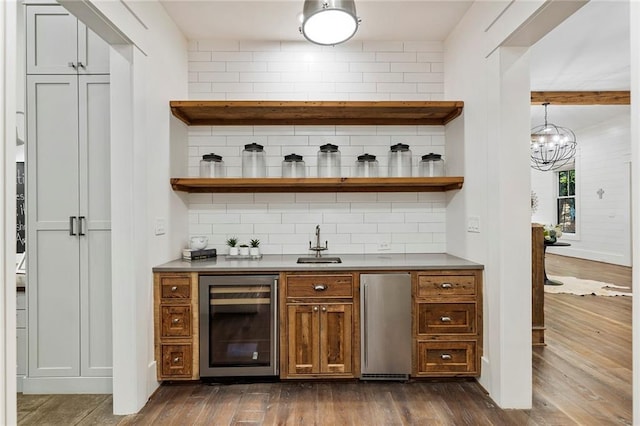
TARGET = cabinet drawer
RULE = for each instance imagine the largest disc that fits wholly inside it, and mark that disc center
(443, 318)
(177, 360)
(175, 287)
(446, 285)
(337, 286)
(176, 321)
(447, 357)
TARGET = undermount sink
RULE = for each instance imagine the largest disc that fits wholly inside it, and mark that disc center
(319, 260)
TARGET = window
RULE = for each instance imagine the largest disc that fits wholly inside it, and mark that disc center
(567, 200)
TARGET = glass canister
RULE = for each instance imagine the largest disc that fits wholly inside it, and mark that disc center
(253, 161)
(399, 160)
(293, 166)
(432, 165)
(367, 166)
(329, 161)
(212, 165)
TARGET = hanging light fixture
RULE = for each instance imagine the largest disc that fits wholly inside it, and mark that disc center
(329, 22)
(551, 146)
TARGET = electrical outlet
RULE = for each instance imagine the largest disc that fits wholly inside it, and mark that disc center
(384, 245)
(473, 224)
(160, 226)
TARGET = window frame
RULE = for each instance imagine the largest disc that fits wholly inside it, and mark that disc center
(558, 197)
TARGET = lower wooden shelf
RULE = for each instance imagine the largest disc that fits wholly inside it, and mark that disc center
(342, 184)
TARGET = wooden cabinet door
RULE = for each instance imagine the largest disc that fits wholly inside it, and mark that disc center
(303, 345)
(335, 338)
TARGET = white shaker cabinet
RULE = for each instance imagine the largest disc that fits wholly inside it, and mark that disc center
(68, 233)
(60, 44)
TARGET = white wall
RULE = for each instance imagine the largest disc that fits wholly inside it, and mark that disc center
(603, 225)
(149, 68)
(634, 17)
(284, 223)
(7, 214)
(493, 81)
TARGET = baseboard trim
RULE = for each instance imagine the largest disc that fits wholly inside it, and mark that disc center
(64, 385)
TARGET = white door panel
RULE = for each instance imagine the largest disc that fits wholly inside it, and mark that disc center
(54, 308)
(96, 353)
(94, 137)
(52, 36)
(93, 52)
(52, 150)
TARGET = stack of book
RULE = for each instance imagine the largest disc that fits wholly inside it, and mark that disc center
(198, 254)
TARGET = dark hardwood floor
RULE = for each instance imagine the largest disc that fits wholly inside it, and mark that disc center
(582, 377)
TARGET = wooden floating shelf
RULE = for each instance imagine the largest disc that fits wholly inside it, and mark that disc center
(263, 113)
(393, 184)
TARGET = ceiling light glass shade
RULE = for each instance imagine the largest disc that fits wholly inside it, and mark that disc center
(551, 146)
(329, 22)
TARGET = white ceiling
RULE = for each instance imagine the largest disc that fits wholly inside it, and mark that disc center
(389, 20)
(589, 51)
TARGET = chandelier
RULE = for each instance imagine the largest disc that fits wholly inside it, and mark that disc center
(551, 146)
(329, 22)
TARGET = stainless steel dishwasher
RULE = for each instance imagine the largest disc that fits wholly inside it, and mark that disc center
(385, 312)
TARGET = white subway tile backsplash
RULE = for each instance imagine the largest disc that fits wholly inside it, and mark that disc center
(261, 77)
(423, 46)
(382, 77)
(423, 77)
(229, 56)
(430, 56)
(342, 218)
(199, 67)
(259, 218)
(231, 87)
(218, 45)
(356, 228)
(297, 218)
(383, 46)
(383, 217)
(403, 197)
(219, 218)
(247, 66)
(430, 87)
(259, 46)
(198, 57)
(424, 217)
(285, 222)
(195, 88)
(369, 67)
(432, 227)
(396, 57)
(365, 207)
(356, 87)
(304, 77)
(396, 87)
(355, 56)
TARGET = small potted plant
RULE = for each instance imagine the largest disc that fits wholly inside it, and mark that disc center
(254, 250)
(244, 250)
(233, 250)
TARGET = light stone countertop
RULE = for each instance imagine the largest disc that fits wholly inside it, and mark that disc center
(350, 262)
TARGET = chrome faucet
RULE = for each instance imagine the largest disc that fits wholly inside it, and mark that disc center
(318, 248)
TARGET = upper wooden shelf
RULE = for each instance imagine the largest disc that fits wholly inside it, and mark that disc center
(394, 184)
(262, 113)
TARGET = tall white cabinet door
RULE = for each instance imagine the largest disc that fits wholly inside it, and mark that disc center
(52, 199)
(95, 211)
(52, 37)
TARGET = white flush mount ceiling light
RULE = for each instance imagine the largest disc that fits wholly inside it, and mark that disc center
(551, 146)
(329, 22)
